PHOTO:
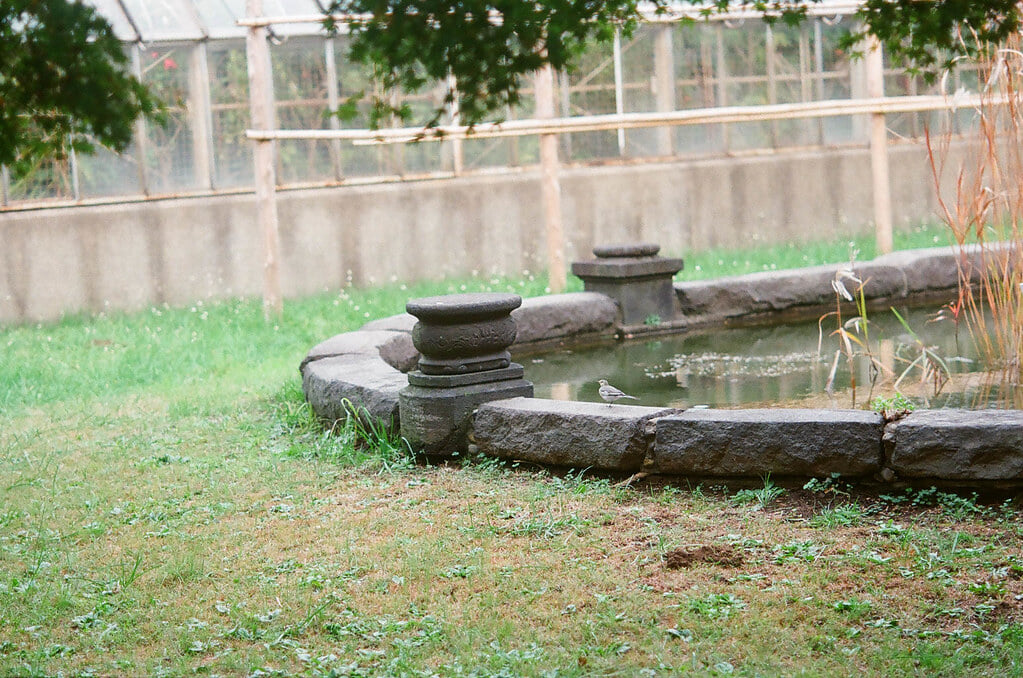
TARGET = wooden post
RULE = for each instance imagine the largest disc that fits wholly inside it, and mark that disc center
(721, 66)
(201, 117)
(818, 71)
(333, 103)
(619, 86)
(141, 136)
(261, 109)
(772, 79)
(457, 151)
(664, 81)
(550, 188)
(879, 149)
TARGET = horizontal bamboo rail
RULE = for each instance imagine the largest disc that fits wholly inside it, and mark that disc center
(597, 123)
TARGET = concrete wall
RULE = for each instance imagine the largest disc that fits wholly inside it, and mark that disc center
(131, 255)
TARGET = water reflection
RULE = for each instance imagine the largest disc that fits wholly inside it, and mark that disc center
(765, 366)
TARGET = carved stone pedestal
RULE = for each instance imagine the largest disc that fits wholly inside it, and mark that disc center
(464, 340)
(634, 276)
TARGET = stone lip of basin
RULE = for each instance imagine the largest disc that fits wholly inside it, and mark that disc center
(365, 371)
(454, 309)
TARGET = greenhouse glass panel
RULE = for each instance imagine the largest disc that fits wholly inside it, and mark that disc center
(107, 173)
(112, 12)
(639, 86)
(159, 20)
(835, 80)
(504, 152)
(50, 179)
(697, 86)
(170, 160)
(229, 94)
(792, 82)
(292, 8)
(588, 88)
(221, 17)
(745, 63)
(300, 93)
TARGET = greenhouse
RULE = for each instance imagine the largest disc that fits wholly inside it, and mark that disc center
(192, 53)
(692, 132)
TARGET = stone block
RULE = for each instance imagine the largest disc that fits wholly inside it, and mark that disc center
(774, 291)
(394, 348)
(925, 269)
(963, 445)
(563, 316)
(334, 385)
(757, 292)
(571, 434)
(635, 277)
(436, 420)
(780, 442)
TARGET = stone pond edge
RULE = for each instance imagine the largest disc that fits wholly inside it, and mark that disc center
(365, 370)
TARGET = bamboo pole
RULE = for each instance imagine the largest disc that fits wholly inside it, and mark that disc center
(619, 86)
(596, 123)
(664, 82)
(879, 169)
(200, 112)
(261, 109)
(550, 188)
(333, 103)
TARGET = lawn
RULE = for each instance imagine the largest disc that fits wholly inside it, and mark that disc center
(169, 507)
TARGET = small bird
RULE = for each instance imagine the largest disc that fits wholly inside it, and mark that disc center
(610, 394)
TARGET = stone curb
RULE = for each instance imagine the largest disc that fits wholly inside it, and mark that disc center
(964, 445)
(565, 433)
(564, 316)
(777, 442)
(895, 276)
(394, 348)
(365, 383)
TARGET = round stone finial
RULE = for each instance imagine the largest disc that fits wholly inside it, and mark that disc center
(632, 249)
(462, 333)
(461, 308)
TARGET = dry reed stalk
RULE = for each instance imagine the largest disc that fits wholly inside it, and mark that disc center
(985, 214)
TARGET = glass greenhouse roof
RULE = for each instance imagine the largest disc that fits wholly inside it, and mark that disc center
(179, 20)
(176, 20)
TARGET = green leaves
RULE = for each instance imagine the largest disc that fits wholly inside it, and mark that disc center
(931, 35)
(63, 82)
(487, 47)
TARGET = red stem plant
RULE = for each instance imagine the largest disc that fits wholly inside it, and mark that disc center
(985, 215)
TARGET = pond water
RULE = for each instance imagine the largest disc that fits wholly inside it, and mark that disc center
(768, 366)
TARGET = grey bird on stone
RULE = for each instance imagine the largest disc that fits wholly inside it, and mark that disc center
(610, 394)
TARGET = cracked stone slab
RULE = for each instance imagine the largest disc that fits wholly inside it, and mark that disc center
(780, 442)
(565, 433)
(957, 445)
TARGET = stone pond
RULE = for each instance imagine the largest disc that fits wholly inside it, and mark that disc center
(444, 375)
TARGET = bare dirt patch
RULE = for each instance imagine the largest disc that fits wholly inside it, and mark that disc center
(683, 559)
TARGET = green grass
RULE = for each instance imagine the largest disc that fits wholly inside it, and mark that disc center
(169, 507)
(722, 262)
